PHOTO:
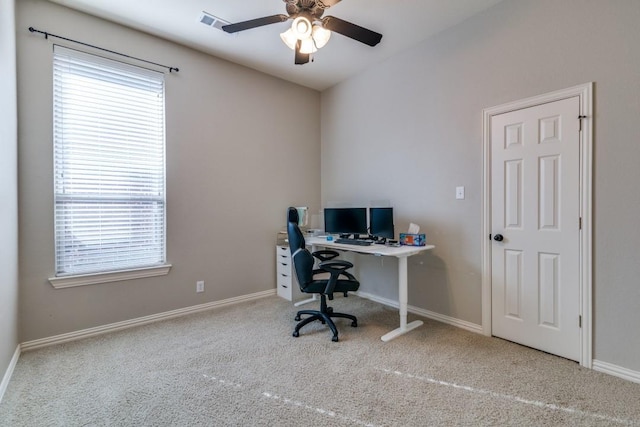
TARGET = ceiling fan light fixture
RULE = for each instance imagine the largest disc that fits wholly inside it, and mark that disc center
(301, 27)
(320, 35)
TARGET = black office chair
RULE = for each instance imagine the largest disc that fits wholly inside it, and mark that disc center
(311, 281)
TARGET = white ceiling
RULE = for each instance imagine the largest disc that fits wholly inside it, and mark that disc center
(403, 23)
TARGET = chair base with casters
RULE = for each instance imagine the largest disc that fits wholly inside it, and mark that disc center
(324, 315)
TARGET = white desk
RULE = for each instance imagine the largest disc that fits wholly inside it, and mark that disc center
(402, 253)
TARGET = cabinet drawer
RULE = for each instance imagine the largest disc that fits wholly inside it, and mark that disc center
(284, 289)
(280, 259)
(283, 251)
(283, 268)
(284, 282)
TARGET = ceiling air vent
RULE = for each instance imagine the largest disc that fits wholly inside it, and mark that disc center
(212, 21)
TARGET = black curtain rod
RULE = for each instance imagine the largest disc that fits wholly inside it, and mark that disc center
(47, 35)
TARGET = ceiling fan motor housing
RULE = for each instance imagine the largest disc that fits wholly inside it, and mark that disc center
(313, 8)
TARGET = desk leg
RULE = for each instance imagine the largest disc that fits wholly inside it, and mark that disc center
(403, 299)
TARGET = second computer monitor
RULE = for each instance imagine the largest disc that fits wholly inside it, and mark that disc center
(345, 220)
(381, 222)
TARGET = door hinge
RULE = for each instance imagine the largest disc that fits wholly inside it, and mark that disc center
(580, 321)
(580, 223)
(580, 121)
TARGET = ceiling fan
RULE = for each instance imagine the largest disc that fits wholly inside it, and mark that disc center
(309, 30)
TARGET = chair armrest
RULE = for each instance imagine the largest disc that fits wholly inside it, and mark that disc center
(325, 255)
(336, 265)
(346, 274)
(335, 268)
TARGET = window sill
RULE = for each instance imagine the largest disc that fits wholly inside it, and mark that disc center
(112, 276)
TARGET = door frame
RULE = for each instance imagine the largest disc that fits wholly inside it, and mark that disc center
(585, 94)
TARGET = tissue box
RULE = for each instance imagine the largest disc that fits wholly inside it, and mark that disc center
(413, 239)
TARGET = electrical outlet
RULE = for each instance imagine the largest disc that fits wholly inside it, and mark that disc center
(200, 286)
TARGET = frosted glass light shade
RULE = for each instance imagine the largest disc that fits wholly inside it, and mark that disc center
(307, 46)
(289, 39)
(320, 35)
(301, 28)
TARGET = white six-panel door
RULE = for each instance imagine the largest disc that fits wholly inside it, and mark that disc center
(535, 207)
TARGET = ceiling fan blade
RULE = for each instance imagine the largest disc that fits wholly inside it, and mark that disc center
(253, 23)
(350, 30)
(301, 58)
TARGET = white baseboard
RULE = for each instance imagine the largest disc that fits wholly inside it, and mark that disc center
(472, 327)
(616, 371)
(113, 327)
(7, 375)
(463, 324)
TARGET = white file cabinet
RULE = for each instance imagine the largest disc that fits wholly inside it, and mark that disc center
(287, 285)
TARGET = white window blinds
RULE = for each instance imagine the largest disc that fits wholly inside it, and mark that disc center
(109, 164)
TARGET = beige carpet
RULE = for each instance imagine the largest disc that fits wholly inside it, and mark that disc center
(240, 366)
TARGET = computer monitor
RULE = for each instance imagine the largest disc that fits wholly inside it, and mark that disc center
(381, 222)
(345, 220)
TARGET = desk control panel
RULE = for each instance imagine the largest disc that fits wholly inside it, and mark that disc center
(357, 242)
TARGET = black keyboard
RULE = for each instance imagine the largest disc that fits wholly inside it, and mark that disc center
(357, 242)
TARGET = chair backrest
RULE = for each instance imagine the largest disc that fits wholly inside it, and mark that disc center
(292, 215)
(303, 266)
(295, 236)
(301, 257)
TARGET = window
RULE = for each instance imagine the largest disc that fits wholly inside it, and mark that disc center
(109, 165)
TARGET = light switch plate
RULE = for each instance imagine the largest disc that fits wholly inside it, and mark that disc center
(460, 193)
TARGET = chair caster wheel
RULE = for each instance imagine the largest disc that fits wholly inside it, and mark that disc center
(354, 324)
(334, 338)
(296, 334)
(297, 318)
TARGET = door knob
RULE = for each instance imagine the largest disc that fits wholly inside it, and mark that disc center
(498, 238)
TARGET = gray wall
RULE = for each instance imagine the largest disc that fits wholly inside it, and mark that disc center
(414, 125)
(234, 162)
(8, 188)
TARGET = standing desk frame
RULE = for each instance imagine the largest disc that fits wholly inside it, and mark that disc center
(402, 253)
